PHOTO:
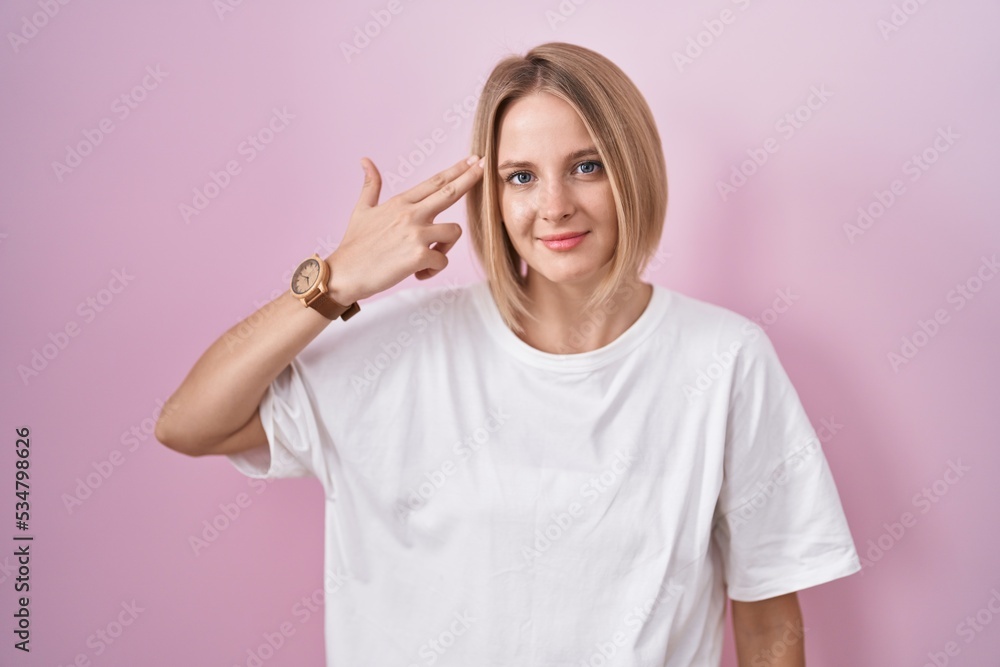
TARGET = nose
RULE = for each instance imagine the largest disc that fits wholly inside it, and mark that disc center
(555, 201)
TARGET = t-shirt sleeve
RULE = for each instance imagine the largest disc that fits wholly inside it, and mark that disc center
(295, 432)
(779, 524)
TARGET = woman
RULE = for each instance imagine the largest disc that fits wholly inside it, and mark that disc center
(558, 465)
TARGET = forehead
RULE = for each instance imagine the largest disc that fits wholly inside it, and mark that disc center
(540, 120)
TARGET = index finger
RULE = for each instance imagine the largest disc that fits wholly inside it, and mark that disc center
(421, 190)
(451, 192)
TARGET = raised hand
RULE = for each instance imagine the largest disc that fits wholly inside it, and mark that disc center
(384, 243)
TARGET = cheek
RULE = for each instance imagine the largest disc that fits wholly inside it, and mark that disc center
(517, 212)
(603, 204)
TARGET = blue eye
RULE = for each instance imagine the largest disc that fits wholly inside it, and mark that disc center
(524, 177)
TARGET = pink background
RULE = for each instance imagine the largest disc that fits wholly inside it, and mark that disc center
(63, 236)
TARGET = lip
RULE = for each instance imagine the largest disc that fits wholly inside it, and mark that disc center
(560, 237)
(564, 241)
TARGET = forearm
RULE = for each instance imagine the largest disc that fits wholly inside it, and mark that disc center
(769, 633)
(223, 390)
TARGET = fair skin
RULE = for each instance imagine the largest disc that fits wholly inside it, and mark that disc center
(769, 633)
(553, 182)
(214, 411)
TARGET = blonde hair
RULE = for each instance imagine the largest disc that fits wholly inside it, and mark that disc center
(624, 132)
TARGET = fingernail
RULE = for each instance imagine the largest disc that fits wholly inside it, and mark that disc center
(472, 159)
(482, 163)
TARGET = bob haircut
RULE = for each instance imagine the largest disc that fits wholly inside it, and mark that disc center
(624, 132)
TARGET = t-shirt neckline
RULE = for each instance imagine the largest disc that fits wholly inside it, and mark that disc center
(639, 331)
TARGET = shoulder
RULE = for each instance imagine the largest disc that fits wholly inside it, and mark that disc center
(715, 340)
(697, 320)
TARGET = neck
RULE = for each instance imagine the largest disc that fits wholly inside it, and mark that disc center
(563, 326)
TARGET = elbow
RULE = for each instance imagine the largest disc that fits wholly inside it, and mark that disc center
(165, 430)
(171, 440)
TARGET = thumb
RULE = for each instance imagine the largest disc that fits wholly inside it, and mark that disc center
(372, 186)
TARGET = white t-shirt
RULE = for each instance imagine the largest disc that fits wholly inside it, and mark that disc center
(488, 503)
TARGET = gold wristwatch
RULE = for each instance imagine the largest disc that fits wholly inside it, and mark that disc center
(310, 284)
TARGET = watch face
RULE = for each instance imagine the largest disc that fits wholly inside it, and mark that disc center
(305, 276)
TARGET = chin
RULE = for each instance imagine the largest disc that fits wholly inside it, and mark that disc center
(568, 276)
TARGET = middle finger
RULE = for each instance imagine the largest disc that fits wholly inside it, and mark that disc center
(452, 191)
(437, 181)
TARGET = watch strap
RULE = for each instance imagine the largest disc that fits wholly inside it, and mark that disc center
(331, 310)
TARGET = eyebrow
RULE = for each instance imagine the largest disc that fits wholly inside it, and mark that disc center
(575, 155)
